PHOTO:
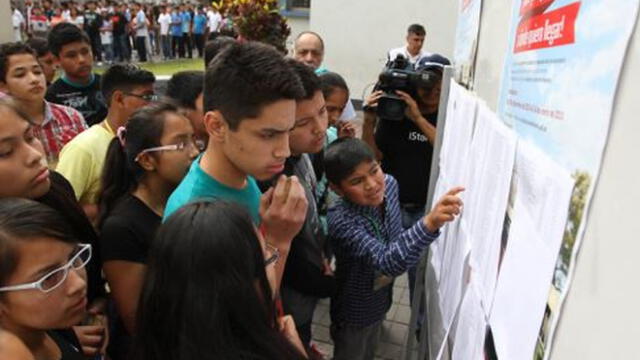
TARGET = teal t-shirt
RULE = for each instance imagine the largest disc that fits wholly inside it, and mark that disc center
(198, 185)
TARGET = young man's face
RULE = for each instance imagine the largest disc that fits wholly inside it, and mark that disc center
(429, 100)
(76, 59)
(24, 79)
(365, 186)
(336, 102)
(414, 43)
(49, 66)
(308, 134)
(133, 100)
(259, 146)
(196, 116)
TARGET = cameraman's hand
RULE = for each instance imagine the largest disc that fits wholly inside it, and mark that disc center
(372, 100)
(412, 111)
(283, 210)
(445, 210)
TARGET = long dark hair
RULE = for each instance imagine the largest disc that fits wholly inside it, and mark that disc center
(26, 219)
(122, 173)
(206, 294)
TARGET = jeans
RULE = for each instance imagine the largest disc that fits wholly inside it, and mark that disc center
(410, 216)
(177, 46)
(141, 47)
(354, 342)
(198, 39)
(166, 46)
(108, 52)
(186, 38)
(120, 48)
(96, 46)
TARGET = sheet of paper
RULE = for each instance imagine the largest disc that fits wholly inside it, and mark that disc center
(470, 328)
(454, 265)
(491, 162)
(542, 192)
(458, 132)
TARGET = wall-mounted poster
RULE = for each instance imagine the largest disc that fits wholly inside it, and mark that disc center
(467, 30)
(559, 84)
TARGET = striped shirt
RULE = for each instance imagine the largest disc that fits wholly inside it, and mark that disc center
(368, 242)
(61, 124)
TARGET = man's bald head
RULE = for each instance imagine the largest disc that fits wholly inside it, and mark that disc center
(308, 48)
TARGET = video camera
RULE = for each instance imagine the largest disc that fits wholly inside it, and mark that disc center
(399, 74)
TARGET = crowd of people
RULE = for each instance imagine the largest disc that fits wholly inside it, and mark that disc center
(205, 222)
(118, 29)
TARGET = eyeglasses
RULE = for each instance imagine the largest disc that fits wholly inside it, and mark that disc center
(275, 255)
(145, 97)
(196, 144)
(55, 278)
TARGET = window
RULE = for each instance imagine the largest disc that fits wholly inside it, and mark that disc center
(295, 8)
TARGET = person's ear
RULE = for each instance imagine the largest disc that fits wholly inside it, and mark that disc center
(117, 97)
(215, 125)
(147, 162)
(336, 189)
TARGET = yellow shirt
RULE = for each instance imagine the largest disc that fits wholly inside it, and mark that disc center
(82, 159)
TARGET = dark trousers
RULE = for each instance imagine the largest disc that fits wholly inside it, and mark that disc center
(96, 46)
(355, 343)
(186, 38)
(120, 48)
(165, 41)
(177, 46)
(198, 39)
(141, 47)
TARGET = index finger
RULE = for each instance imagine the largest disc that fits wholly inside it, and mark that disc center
(455, 191)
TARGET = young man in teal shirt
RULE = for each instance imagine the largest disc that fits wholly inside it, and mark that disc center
(250, 97)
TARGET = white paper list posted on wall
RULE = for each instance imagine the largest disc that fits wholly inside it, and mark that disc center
(541, 196)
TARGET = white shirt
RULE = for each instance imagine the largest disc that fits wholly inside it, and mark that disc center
(214, 20)
(393, 53)
(165, 21)
(17, 18)
(141, 24)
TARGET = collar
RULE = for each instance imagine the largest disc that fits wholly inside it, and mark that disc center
(48, 114)
(76, 85)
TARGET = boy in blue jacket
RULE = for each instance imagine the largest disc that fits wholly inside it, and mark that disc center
(370, 245)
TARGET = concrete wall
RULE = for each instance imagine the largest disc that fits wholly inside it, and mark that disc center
(358, 34)
(298, 25)
(6, 30)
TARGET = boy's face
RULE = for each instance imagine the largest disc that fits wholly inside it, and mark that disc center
(365, 186)
(24, 79)
(308, 134)
(76, 59)
(260, 146)
(49, 66)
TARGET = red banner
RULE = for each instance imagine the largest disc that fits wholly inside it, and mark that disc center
(534, 7)
(555, 28)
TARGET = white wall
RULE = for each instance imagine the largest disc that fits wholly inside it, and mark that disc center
(358, 34)
(298, 25)
(6, 31)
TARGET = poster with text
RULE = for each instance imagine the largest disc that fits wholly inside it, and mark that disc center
(558, 89)
(467, 31)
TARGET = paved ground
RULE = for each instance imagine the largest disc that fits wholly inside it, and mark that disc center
(394, 330)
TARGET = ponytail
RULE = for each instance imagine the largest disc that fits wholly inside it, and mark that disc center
(122, 173)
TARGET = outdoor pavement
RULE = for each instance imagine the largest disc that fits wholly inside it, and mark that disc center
(394, 329)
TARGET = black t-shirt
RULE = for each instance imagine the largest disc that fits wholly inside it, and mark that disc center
(127, 232)
(67, 343)
(407, 157)
(62, 199)
(92, 23)
(119, 23)
(88, 100)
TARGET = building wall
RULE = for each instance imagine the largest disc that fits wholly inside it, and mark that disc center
(298, 25)
(358, 34)
(6, 31)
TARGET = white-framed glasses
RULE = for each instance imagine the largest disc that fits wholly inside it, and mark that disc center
(274, 255)
(196, 144)
(55, 278)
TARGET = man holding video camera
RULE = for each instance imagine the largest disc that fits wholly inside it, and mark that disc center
(403, 110)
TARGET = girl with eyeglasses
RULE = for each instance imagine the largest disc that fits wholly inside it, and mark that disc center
(24, 174)
(145, 162)
(43, 283)
(208, 291)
